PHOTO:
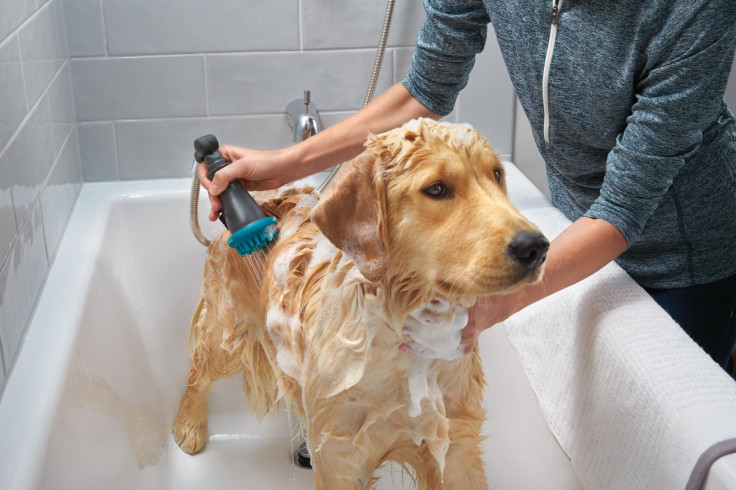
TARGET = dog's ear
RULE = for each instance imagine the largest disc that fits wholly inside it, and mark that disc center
(351, 213)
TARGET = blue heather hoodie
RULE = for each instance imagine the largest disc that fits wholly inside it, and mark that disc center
(625, 99)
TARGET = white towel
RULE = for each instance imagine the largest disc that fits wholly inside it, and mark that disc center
(632, 400)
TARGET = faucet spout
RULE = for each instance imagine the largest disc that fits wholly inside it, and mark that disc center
(303, 118)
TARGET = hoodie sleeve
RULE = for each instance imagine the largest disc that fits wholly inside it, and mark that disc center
(452, 34)
(679, 95)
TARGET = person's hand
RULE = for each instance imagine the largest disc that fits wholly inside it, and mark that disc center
(487, 312)
(257, 169)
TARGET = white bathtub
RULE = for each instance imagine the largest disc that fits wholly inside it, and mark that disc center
(95, 389)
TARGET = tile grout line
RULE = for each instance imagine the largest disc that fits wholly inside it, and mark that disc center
(104, 26)
(37, 198)
(25, 119)
(299, 27)
(117, 150)
(133, 56)
(206, 87)
(209, 116)
(23, 76)
(22, 25)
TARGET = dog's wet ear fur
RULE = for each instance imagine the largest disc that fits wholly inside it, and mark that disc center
(351, 212)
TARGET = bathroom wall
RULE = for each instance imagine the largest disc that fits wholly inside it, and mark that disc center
(40, 170)
(95, 90)
(150, 77)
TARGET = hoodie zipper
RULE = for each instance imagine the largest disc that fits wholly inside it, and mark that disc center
(556, 6)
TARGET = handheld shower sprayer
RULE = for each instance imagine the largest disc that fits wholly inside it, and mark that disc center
(251, 229)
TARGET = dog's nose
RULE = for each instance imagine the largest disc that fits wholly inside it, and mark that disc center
(529, 249)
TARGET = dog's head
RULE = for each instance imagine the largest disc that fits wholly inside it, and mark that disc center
(427, 202)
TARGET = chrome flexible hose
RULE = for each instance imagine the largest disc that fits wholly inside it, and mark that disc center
(380, 51)
(194, 192)
(373, 82)
(194, 211)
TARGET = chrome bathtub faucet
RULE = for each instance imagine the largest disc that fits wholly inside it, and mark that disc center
(303, 118)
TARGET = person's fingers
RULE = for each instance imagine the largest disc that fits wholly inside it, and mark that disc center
(202, 173)
(470, 335)
(214, 208)
(262, 185)
(230, 152)
(254, 185)
(223, 178)
(468, 348)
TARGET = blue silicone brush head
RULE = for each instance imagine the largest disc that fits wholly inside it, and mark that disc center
(254, 237)
(251, 229)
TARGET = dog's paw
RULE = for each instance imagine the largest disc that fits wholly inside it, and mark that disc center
(190, 434)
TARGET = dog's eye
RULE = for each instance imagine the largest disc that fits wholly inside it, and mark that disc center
(437, 191)
(497, 175)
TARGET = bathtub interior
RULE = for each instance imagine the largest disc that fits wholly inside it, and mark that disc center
(120, 391)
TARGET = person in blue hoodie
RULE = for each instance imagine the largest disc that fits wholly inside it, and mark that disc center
(625, 100)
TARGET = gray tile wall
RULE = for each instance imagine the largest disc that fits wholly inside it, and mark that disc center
(94, 90)
(40, 164)
(150, 77)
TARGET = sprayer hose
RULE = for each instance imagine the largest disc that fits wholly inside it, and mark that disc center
(194, 211)
(194, 192)
(374, 80)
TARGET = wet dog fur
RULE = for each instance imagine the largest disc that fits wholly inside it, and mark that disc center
(421, 214)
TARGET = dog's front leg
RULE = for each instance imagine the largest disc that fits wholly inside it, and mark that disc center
(190, 427)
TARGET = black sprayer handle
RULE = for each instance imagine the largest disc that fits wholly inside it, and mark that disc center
(239, 209)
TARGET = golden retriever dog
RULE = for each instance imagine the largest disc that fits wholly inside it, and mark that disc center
(354, 320)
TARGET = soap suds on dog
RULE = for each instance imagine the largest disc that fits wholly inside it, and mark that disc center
(436, 330)
(276, 320)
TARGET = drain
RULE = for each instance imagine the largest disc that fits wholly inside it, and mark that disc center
(302, 457)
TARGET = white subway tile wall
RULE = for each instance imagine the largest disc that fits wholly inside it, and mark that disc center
(12, 95)
(98, 151)
(90, 40)
(60, 192)
(337, 79)
(143, 27)
(40, 166)
(136, 88)
(43, 50)
(21, 278)
(173, 67)
(96, 90)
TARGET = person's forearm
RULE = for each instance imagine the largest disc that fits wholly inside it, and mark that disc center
(344, 141)
(582, 249)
